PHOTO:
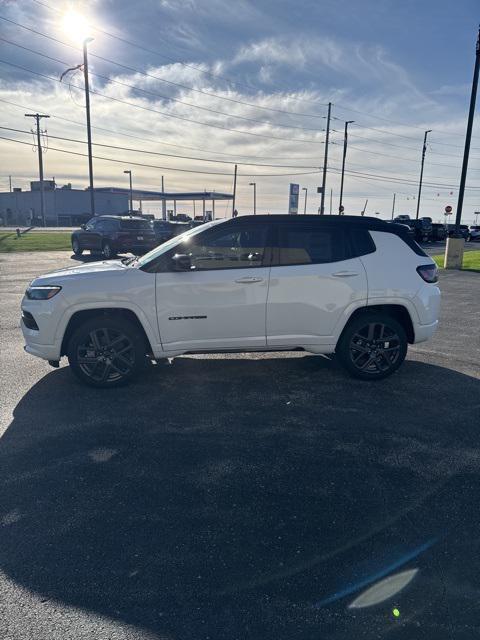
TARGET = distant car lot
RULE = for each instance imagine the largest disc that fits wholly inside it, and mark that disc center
(247, 496)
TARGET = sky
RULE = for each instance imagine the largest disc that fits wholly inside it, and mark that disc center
(191, 87)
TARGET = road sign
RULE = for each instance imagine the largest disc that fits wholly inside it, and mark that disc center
(448, 209)
(293, 198)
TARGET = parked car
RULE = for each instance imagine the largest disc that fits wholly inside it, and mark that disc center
(110, 235)
(474, 233)
(438, 232)
(406, 227)
(163, 230)
(422, 228)
(464, 231)
(181, 217)
(357, 287)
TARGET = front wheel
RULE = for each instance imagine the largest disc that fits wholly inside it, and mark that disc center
(106, 352)
(372, 346)
(77, 250)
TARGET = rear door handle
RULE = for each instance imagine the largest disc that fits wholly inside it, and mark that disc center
(344, 274)
(248, 280)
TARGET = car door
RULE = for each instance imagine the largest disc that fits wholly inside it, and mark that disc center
(313, 281)
(219, 303)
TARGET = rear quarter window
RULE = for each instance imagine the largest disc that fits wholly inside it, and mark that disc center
(361, 243)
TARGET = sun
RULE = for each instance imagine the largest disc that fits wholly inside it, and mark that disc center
(76, 26)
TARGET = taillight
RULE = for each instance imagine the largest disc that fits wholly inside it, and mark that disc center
(428, 272)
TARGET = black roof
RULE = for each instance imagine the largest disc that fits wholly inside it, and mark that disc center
(366, 222)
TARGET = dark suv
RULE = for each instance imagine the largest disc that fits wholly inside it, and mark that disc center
(110, 235)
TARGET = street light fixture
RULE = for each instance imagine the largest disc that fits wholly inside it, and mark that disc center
(131, 190)
(305, 202)
(254, 185)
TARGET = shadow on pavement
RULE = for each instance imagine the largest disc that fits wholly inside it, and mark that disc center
(253, 499)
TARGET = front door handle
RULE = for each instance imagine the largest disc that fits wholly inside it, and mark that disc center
(344, 274)
(249, 280)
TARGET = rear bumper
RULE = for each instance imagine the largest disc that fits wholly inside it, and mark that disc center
(424, 332)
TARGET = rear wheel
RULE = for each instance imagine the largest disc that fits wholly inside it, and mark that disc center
(106, 352)
(107, 251)
(77, 250)
(372, 346)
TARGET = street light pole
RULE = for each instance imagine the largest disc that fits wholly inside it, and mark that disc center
(305, 203)
(424, 149)
(254, 185)
(131, 190)
(345, 140)
(89, 130)
(393, 205)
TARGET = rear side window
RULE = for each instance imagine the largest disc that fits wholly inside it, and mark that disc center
(361, 243)
(134, 225)
(310, 245)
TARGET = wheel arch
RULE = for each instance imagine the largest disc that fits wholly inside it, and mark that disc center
(397, 311)
(81, 316)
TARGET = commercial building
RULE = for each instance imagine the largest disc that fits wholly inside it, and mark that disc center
(65, 206)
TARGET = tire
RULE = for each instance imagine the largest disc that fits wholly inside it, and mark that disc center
(365, 336)
(107, 251)
(106, 352)
(76, 247)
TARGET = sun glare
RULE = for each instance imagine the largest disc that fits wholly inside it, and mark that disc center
(76, 26)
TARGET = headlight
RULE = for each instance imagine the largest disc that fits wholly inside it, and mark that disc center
(42, 293)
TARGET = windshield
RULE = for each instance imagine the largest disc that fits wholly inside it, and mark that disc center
(173, 242)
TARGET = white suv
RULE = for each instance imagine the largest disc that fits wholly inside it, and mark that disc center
(357, 287)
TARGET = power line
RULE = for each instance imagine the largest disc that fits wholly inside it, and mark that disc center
(153, 166)
(189, 66)
(169, 155)
(159, 95)
(170, 82)
(162, 142)
(168, 115)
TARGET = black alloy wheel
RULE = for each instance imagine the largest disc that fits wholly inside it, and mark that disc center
(105, 352)
(373, 346)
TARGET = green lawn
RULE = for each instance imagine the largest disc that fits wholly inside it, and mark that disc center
(471, 260)
(34, 241)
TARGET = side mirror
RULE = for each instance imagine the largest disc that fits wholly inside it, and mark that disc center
(181, 262)
(83, 226)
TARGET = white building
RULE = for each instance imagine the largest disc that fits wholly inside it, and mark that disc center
(64, 206)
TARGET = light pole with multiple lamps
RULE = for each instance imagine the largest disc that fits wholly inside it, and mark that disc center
(254, 185)
(131, 190)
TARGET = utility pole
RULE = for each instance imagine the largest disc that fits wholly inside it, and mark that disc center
(234, 190)
(345, 140)
(131, 190)
(424, 149)
(37, 117)
(325, 161)
(331, 200)
(254, 185)
(365, 207)
(89, 129)
(393, 205)
(455, 245)
(10, 183)
(305, 203)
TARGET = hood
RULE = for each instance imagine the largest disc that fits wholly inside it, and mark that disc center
(89, 269)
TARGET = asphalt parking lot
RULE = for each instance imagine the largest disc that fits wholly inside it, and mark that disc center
(243, 496)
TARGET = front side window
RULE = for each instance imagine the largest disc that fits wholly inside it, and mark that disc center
(235, 248)
(310, 245)
(91, 224)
